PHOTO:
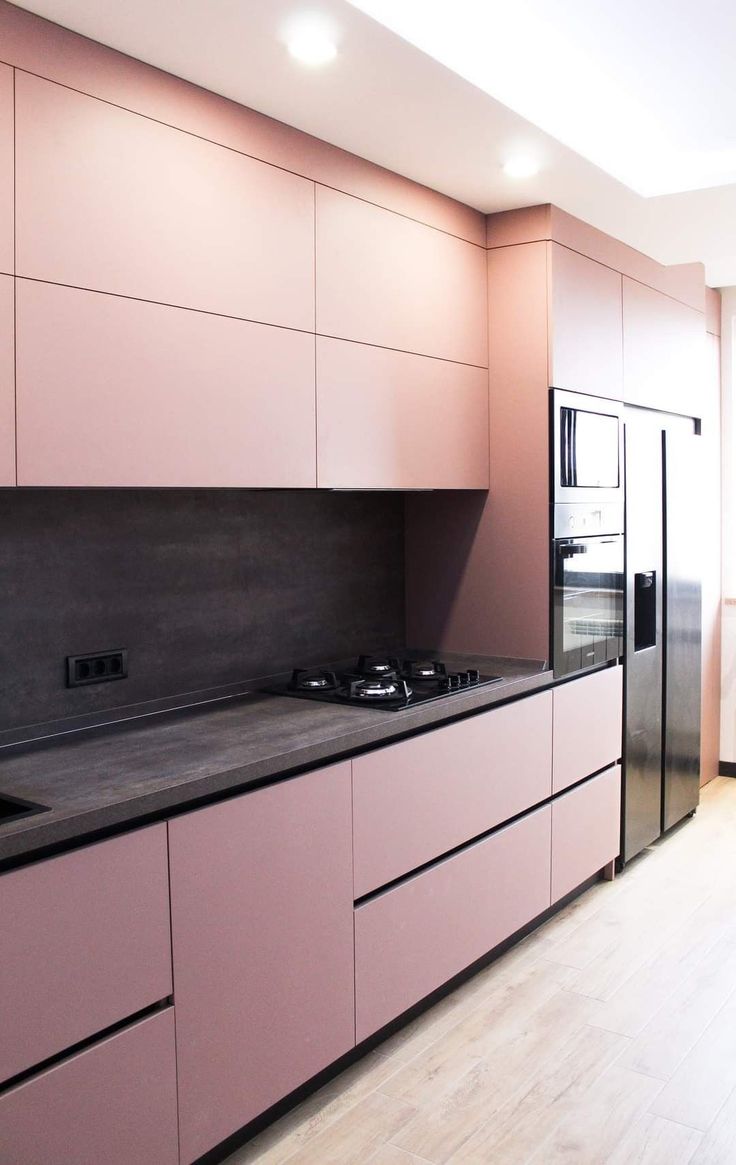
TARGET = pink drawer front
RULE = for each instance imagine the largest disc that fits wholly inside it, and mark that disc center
(115, 1102)
(586, 831)
(413, 938)
(587, 726)
(414, 801)
(90, 945)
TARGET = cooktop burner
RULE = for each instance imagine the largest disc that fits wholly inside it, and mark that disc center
(382, 681)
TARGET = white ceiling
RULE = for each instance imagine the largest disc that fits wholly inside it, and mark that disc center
(629, 97)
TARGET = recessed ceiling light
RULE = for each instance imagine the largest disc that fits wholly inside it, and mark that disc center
(521, 167)
(311, 42)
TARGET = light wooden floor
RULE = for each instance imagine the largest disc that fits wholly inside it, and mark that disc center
(609, 1035)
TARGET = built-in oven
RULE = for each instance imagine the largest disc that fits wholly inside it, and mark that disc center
(587, 449)
(587, 587)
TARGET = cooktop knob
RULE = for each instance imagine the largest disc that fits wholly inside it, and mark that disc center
(473, 675)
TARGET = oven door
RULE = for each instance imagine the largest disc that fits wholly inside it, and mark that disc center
(587, 602)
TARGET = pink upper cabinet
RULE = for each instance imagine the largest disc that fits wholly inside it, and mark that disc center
(388, 280)
(587, 732)
(112, 201)
(90, 945)
(262, 924)
(392, 420)
(664, 351)
(6, 170)
(585, 325)
(7, 382)
(419, 799)
(118, 392)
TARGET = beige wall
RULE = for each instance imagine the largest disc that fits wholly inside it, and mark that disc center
(728, 407)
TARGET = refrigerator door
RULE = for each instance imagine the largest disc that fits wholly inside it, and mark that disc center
(642, 790)
(682, 626)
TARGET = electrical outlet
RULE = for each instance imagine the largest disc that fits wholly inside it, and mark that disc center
(96, 667)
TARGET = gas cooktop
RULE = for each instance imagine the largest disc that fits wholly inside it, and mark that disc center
(382, 681)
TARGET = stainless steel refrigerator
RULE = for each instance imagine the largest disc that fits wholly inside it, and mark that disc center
(663, 626)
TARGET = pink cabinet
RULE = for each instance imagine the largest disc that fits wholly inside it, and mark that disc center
(585, 324)
(262, 923)
(587, 726)
(664, 351)
(6, 170)
(414, 801)
(392, 420)
(113, 1102)
(90, 945)
(7, 382)
(113, 201)
(388, 280)
(586, 831)
(413, 938)
(117, 392)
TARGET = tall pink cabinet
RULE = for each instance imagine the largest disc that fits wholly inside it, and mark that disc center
(568, 307)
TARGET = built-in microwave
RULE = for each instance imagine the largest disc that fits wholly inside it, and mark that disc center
(587, 449)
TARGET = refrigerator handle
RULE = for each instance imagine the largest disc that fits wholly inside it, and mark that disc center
(645, 610)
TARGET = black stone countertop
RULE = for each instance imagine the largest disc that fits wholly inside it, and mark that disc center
(103, 779)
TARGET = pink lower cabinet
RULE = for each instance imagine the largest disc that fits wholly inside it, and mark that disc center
(114, 1102)
(414, 801)
(393, 420)
(262, 919)
(586, 831)
(587, 726)
(86, 944)
(116, 392)
(413, 938)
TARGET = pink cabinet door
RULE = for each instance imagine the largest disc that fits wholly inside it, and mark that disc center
(117, 202)
(6, 170)
(117, 392)
(413, 938)
(586, 831)
(7, 382)
(664, 351)
(585, 324)
(87, 944)
(587, 726)
(391, 281)
(414, 801)
(392, 420)
(113, 1102)
(262, 918)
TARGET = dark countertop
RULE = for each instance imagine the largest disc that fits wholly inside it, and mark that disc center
(103, 779)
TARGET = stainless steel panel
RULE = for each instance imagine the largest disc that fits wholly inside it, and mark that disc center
(642, 789)
(682, 621)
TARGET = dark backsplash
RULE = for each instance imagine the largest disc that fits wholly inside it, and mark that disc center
(203, 587)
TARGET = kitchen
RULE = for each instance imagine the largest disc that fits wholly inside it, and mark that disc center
(255, 481)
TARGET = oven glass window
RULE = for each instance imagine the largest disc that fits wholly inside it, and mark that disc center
(589, 449)
(589, 600)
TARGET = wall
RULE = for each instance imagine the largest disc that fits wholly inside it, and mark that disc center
(728, 414)
(203, 587)
(711, 535)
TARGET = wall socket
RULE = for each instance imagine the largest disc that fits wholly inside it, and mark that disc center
(96, 667)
